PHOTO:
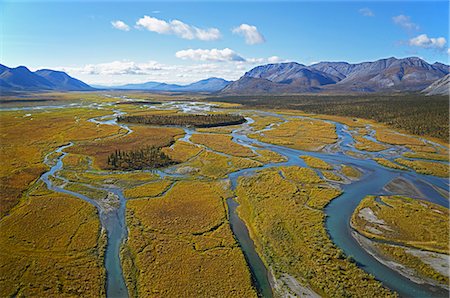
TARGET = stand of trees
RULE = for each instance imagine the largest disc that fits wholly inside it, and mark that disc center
(194, 120)
(145, 158)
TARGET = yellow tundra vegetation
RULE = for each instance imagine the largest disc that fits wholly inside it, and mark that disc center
(302, 134)
(151, 189)
(181, 245)
(330, 175)
(389, 164)
(426, 167)
(403, 220)
(291, 237)
(182, 151)
(317, 163)
(222, 143)
(394, 138)
(350, 172)
(368, 145)
(262, 122)
(268, 156)
(28, 136)
(212, 165)
(425, 155)
(51, 246)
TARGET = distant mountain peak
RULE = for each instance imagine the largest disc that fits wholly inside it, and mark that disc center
(22, 79)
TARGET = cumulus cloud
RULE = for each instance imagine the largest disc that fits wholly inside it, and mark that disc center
(367, 12)
(250, 33)
(120, 25)
(424, 41)
(178, 28)
(405, 22)
(117, 68)
(125, 71)
(209, 55)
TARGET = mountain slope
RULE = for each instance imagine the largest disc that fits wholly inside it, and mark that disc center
(207, 85)
(439, 87)
(22, 79)
(384, 75)
(281, 78)
(62, 81)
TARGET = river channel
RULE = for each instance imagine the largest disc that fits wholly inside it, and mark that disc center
(338, 212)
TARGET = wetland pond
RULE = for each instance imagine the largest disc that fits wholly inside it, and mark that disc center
(372, 182)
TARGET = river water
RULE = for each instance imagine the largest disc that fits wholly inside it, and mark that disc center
(338, 212)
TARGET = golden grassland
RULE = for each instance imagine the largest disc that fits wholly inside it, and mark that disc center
(394, 138)
(302, 134)
(316, 163)
(222, 143)
(389, 164)
(426, 167)
(51, 246)
(290, 236)
(401, 255)
(368, 145)
(219, 129)
(399, 219)
(213, 165)
(349, 121)
(27, 139)
(425, 155)
(350, 172)
(151, 189)
(181, 245)
(330, 175)
(268, 156)
(182, 151)
(262, 122)
(300, 174)
(142, 136)
(98, 178)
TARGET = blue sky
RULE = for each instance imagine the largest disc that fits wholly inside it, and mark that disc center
(185, 41)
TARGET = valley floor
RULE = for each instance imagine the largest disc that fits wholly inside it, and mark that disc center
(287, 203)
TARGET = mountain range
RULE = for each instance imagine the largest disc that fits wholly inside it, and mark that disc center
(22, 79)
(384, 75)
(410, 74)
(207, 85)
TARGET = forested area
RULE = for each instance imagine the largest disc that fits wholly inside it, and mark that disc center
(417, 114)
(144, 158)
(193, 120)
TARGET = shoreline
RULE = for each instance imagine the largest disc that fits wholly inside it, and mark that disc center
(368, 245)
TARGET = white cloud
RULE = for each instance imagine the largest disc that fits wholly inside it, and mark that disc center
(250, 33)
(125, 71)
(424, 41)
(274, 59)
(367, 12)
(117, 68)
(120, 25)
(405, 22)
(448, 51)
(209, 55)
(178, 28)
